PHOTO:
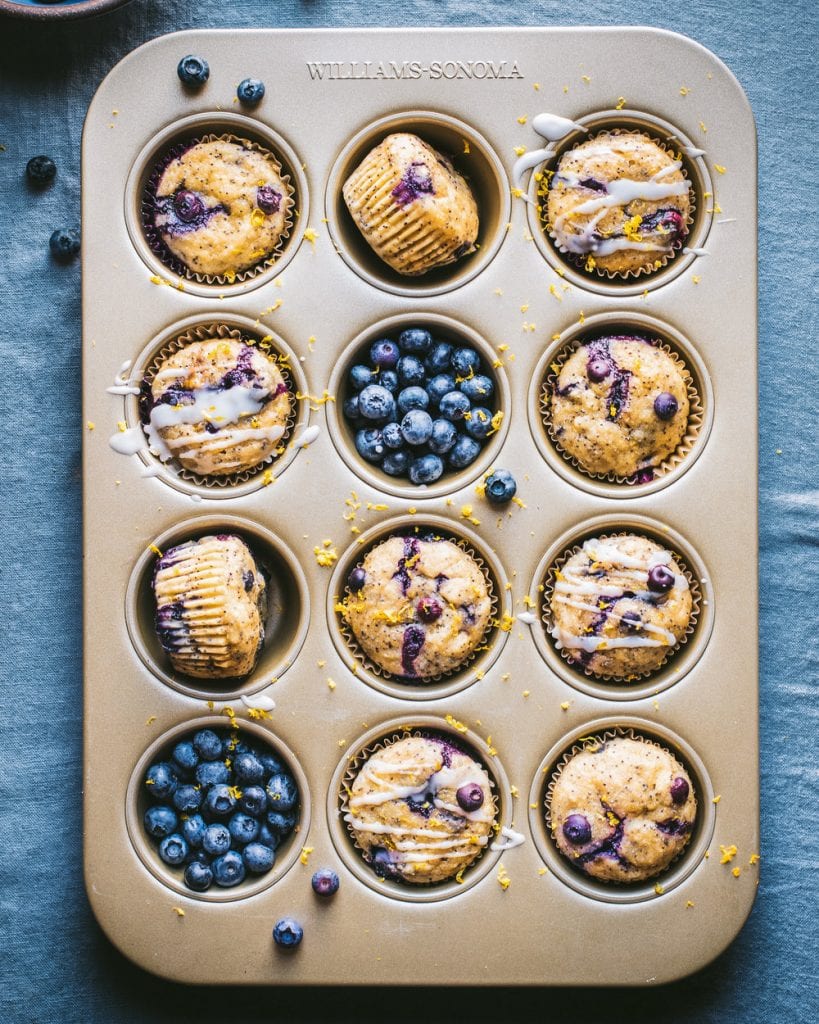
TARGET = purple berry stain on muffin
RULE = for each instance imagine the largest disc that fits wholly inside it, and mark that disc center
(411, 552)
(411, 644)
(183, 212)
(268, 199)
(417, 181)
(428, 609)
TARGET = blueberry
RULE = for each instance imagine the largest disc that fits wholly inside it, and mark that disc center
(188, 206)
(229, 869)
(270, 762)
(666, 406)
(268, 199)
(500, 487)
(173, 849)
(287, 933)
(428, 609)
(660, 579)
(360, 376)
(415, 339)
(161, 780)
(479, 423)
(369, 443)
(216, 840)
(396, 463)
(464, 452)
(443, 436)
(253, 800)
(412, 398)
(454, 406)
(193, 829)
(376, 403)
(243, 828)
(212, 773)
(384, 354)
(220, 802)
(282, 792)
(250, 91)
(193, 70)
(248, 768)
(258, 858)
(280, 823)
(440, 385)
(416, 426)
(325, 882)
(389, 379)
(465, 361)
(470, 797)
(198, 876)
(267, 837)
(350, 408)
(187, 799)
(680, 790)
(160, 821)
(40, 170)
(382, 862)
(479, 388)
(426, 469)
(184, 756)
(438, 357)
(411, 371)
(392, 436)
(64, 244)
(598, 368)
(577, 830)
(631, 621)
(356, 579)
(207, 745)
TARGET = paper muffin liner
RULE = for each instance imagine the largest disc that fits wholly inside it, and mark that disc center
(357, 761)
(599, 739)
(696, 413)
(578, 261)
(214, 332)
(157, 243)
(363, 659)
(548, 623)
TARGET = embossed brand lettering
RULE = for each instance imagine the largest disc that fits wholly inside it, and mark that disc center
(350, 70)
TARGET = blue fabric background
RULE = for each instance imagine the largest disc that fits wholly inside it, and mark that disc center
(55, 965)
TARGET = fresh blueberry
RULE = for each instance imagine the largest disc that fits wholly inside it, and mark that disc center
(479, 423)
(465, 361)
(173, 849)
(392, 436)
(208, 745)
(160, 821)
(229, 869)
(411, 371)
(350, 408)
(248, 768)
(64, 244)
(500, 487)
(193, 829)
(470, 797)
(270, 762)
(577, 830)
(325, 882)
(416, 426)
(479, 388)
(40, 170)
(464, 452)
(268, 199)
(426, 469)
(258, 858)
(438, 358)
(280, 823)
(193, 70)
(212, 773)
(384, 354)
(161, 780)
(660, 579)
(443, 436)
(282, 792)
(220, 801)
(185, 757)
(396, 463)
(680, 790)
(187, 799)
(412, 398)
(666, 406)
(360, 376)
(376, 403)
(267, 837)
(356, 579)
(454, 406)
(188, 206)
(287, 933)
(253, 800)
(369, 443)
(243, 828)
(389, 379)
(216, 840)
(598, 368)
(429, 609)
(198, 876)
(250, 91)
(415, 339)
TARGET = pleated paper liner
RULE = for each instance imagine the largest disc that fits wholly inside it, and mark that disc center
(356, 763)
(696, 410)
(157, 243)
(577, 666)
(361, 657)
(215, 332)
(579, 261)
(596, 741)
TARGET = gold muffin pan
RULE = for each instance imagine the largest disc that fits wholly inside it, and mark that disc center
(522, 915)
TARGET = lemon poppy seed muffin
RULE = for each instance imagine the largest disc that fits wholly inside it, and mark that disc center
(210, 606)
(421, 810)
(622, 809)
(413, 208)
(619, 405)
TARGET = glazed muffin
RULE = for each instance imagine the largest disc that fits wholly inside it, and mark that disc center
(210, 607)
(418, 608)
(619, 606)
(619, 405)
(217, 407)
(621, 810)
(413, 208)
(421, 810)
(618, 202)
(221, 207)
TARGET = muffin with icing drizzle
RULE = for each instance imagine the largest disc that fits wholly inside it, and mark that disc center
(418, 608)
(210, 607)
(413, 208)
(619, 606)
(622, 809)
(421, 810)
(221, 207)
(619, 203)
(217, 407)
(619, 405)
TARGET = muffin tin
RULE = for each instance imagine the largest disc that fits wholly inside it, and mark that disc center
(523, 915)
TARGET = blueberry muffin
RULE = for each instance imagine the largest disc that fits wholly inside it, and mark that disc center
(621, 810)
(419, 608)
(210, 607)
(421, 810)
(619, 606)
(618, 202)
(413, 208)
(619, 405)
(217, 407)
(221, 207)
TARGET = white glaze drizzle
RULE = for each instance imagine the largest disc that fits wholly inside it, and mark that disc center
(307, 437)
(128, 442)
(511, 837)
(527, 617)
(696, 252)
(551, 127)
(260, 701)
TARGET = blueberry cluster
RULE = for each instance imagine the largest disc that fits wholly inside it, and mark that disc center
(220, 808)
(420, 405)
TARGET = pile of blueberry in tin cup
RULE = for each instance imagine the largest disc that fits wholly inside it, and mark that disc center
(220, 807)
(420, 405)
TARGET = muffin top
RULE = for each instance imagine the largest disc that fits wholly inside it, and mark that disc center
(418, 608)
(622, 809)
(217, 407)
(421, 810)
(222, 207)
(619, 606)
(621, 201)
(619, 405)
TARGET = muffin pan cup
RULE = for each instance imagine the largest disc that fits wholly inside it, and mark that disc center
(518, 918)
